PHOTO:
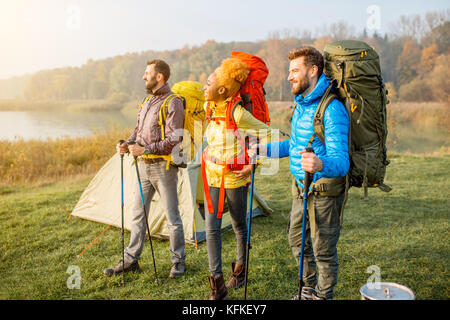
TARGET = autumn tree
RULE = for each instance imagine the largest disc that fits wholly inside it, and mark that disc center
(428, 58)
(408, 61)
(277, 86)
(121, 77)
(439, 79)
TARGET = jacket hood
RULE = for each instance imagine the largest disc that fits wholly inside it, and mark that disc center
(317, 93)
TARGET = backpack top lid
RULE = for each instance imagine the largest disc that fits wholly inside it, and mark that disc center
(350, 59)
(189, 88)
(252, 91)
(349, 49)
(257, 66)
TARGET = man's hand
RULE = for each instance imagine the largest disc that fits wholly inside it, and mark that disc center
(262, 148)
(244, 173)
(310, 162)
(122, 148)
(136, 150)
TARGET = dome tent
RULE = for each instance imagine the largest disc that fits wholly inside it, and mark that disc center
(101, 201)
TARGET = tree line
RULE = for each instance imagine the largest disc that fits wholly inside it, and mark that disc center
(415, 61)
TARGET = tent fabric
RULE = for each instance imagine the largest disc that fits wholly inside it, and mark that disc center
(101, 200)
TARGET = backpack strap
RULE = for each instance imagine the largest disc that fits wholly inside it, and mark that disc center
(162, 123)
(231, 124)
(163, 112)
(145, 101)
(318, 120)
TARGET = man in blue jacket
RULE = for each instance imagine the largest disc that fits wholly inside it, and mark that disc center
(329, 163)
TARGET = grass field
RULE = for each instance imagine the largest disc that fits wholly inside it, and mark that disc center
(405, 233)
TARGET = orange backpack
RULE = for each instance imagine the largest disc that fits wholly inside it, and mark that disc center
(252, 91)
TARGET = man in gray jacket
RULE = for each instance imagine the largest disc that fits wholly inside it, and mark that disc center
(153, 144)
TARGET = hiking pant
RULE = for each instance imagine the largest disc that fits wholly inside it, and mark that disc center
(155, 178)
(237, 206)
(320, 250)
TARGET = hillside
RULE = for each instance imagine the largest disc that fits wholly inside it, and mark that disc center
(414, 64)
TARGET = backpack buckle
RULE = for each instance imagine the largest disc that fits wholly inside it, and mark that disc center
(317, 120)
(320, 188)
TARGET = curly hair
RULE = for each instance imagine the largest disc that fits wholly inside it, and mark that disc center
(231, 74)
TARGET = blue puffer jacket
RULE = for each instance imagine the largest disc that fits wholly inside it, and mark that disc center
(334, 154)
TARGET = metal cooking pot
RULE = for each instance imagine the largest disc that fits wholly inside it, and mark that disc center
(386, 291)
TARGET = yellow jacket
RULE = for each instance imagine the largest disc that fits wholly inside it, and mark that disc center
(223, 144)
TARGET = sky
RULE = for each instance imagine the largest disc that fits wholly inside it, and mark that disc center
(45, 34)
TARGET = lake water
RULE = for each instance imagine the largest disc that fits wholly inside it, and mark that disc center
(52, 124)
(415, 138)
(56, 124)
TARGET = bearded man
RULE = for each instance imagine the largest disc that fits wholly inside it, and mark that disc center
(329, 160)
(147, 143)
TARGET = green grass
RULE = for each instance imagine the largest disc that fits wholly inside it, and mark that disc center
(405, 233)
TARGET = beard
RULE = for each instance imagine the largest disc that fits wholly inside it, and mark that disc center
(151, 84)
(300, 86)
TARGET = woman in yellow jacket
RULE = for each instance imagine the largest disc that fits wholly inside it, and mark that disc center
(224, 180)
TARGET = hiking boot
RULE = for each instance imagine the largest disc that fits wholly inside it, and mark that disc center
(129, 266)
(218, 289)
(178, 269)
(238, 276)
(307, 294)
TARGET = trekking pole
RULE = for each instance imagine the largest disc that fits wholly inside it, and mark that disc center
(145, 213)
(249, 225)
(306, 184)
(121, 202)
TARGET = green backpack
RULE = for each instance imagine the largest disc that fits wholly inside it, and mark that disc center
(353, 68)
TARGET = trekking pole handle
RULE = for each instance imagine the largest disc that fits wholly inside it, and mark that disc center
(121, 141)
(308, 175)
(132, 142)
(256, 157)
